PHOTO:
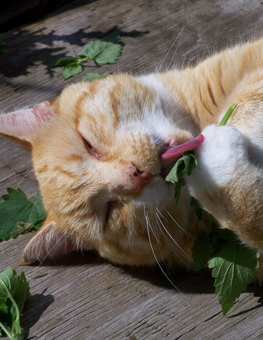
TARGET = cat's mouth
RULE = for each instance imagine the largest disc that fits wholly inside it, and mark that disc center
(148, 191)
(174, 152)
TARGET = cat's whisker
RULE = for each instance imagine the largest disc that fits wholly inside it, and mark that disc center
(159, 244)
(23, 177)
(162, 224)
(178, 225)
(177, 251)
(179, 39)
(58, 241)
(167, 53)
(168, 242)
(175, 246)
(158, 241)
(150, 242)
(167, 239)
(183, 119)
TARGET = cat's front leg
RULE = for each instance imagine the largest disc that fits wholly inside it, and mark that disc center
(220, 158)
(228, 185)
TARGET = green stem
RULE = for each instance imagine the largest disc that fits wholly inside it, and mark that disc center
(17, 319)
(82, 60)
(6, 331)
(227, 115)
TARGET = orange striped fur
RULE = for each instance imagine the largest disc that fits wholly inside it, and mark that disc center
(96, 155)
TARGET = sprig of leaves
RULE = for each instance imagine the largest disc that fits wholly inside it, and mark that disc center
(184, 165)
(187, 162)
(104, 51)
(232, 268)
(19, 215)
(3, 47)
(14, 291)
(233, 263)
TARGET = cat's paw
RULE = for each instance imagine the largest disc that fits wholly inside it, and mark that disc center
(219, 158)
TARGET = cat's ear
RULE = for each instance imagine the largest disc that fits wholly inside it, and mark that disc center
(48, 243)
(25, 124)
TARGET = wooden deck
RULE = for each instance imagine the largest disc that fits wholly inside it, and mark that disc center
(81, 296)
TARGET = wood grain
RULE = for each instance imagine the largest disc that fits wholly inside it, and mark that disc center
(81, 296)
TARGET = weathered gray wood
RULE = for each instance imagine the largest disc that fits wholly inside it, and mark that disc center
(81, 296)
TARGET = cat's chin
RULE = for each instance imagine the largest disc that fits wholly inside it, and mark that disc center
(155, 193)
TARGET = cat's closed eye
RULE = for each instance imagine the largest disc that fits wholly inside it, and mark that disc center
(90, 148)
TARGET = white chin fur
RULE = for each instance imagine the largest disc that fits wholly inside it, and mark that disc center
(155, 193)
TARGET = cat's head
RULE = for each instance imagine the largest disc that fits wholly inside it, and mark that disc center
(96, 154)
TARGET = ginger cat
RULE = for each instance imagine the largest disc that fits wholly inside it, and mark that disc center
(98, 154)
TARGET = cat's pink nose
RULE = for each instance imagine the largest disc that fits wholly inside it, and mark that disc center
(138, 177)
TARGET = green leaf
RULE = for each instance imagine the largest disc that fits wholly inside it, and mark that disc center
(64, 61)
(18, 214)
(94, 76)
(13, 218)
(232, 263)
(104, 51)
(227, 115)
(178, 189)
(173, 176)
(71, 70)
(197, 207)
(40, 207)
(21, 292)
(232, 267)
(3, 48)
(14, 195)
(38, 213)
(201, 251)
(109, 55)
(14, 291)
(4, 281)
(184, 165)
(92, 49)
(190, 162)
(225, 234)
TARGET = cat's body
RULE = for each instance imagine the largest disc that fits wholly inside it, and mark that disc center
(97, 156)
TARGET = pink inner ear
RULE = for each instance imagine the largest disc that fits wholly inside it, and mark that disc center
(25, 124)
(43, 111)
(48, 243)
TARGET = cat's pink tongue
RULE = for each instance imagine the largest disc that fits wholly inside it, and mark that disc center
(177, 150)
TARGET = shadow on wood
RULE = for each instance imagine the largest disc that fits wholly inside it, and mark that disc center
(185, 282)
(32, 50)
(34, 307)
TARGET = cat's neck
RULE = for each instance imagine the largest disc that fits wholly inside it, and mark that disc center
(203, 93)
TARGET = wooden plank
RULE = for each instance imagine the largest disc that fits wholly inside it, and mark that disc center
(81, 296)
